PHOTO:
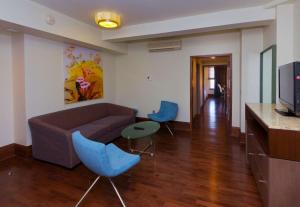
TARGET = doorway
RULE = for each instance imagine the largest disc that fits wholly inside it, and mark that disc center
(210, 82)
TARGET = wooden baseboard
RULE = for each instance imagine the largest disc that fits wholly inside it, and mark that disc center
(235, 132)
(182, 126)
(7, 152)
(13, 150)
(178, 125)
(23, 151)
(243, 138)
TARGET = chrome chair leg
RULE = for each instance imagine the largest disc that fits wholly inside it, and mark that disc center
(88, 190)
(118, 194)
(168, 127)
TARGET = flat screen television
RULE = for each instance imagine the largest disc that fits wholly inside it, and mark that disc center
(289, 87)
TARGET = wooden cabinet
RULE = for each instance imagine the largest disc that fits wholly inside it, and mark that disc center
(273, 156)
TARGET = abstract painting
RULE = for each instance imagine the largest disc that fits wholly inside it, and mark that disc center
(83, 74)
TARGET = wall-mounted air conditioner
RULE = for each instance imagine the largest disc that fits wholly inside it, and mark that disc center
(164, 45)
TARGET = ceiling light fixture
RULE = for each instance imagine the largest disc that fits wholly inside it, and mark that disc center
(109, 20)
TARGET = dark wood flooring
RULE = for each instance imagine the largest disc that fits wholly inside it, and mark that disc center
(202, 168)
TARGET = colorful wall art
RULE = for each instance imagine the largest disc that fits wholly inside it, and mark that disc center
(83, 74)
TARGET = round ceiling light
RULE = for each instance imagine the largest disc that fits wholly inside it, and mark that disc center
(108, 20)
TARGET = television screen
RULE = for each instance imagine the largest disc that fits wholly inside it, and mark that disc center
(286, 85)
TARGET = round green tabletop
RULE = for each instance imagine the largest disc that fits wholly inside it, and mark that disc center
(140, 130)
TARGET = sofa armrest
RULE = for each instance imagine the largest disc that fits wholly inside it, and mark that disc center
(121, 110)
(52, 144)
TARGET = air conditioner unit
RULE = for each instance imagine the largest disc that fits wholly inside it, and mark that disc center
(164, 45)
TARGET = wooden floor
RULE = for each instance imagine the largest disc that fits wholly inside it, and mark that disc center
(202, 168)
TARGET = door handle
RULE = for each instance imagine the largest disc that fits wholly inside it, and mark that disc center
(262, 181)
(262, 154)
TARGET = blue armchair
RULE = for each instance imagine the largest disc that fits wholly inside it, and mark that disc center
(104, 160)
(167, 112)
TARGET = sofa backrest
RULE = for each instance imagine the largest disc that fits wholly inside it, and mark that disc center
(71, 118)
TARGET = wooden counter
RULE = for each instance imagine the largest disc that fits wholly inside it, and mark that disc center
(281, 135)
(273, 153)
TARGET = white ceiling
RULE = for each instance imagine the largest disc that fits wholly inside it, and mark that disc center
(144, 11)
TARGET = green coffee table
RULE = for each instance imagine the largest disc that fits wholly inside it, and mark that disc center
(141, 130)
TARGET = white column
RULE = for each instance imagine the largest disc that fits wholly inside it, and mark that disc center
(251, 46)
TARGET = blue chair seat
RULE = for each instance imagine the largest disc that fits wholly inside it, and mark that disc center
(167, 112)
(157, 117)
(119, 160)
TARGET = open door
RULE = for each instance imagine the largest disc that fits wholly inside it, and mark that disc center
(228, 95)
(198, 85)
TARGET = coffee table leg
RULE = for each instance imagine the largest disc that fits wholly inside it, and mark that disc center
(152, 146)
(129, 145)
(148, 149)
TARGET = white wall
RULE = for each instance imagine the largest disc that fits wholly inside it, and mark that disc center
(44, 79)
(33, 83)
(6, 109)
(252, 45)
(19, 106)
(297, 30)
(170, 73)
(284, 36)
(269, 35)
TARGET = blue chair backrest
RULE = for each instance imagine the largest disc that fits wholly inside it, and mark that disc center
(92, 154)
(169, 109)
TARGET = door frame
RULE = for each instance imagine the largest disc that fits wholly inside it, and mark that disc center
(228, 88)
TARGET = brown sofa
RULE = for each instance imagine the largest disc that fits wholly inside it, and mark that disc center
(51, 133)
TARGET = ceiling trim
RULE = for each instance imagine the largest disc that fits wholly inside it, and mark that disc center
(275, 3)
(229, 19)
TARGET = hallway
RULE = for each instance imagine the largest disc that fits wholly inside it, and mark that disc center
(202, 168)
(212, 117)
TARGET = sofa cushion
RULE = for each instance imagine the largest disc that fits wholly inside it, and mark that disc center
(112, 122)
(91, 130)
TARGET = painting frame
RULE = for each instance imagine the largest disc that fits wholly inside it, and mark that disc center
(83, 74)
